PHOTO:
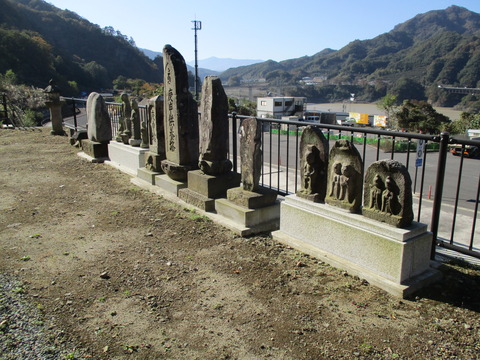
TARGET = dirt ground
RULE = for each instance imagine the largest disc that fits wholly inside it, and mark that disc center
(120, 273)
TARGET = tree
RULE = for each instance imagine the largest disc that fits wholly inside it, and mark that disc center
(406, 88)
(420, 116)
(388, 104)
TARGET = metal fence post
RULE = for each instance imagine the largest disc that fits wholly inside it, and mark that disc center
(437, 200)
(74, 115)
(234, 140)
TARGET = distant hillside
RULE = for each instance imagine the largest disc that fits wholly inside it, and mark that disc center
(39, 41)
(222, 64)
(437, 47)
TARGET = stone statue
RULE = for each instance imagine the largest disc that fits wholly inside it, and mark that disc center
(388, 188)
(136, 138)
(314, 158)
(126, 118)
(344, 185)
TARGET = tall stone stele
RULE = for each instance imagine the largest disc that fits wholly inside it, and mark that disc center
(180, 118)
(136, 138)
(55, 106)
(154, 137)
(313, 164)
(344, 182)
(388, 193)
(215, 176)
(125, 130)
(250, 194)
(99, 128)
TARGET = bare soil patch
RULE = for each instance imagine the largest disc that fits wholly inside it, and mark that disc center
(120, 273)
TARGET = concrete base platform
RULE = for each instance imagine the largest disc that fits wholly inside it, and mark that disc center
(244, 221)
(126, 158)
(147, 175)
(168, 184)
(396, 260)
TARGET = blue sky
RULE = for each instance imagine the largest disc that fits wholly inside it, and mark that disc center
(253, 29)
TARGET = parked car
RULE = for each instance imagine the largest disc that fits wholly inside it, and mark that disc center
(470, 151)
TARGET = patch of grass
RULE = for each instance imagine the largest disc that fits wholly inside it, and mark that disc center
(102, 299)
(70, 356)
(127, 292)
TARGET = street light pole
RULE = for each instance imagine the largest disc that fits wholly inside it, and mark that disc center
(197, 25)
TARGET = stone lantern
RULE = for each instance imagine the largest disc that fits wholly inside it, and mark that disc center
(55, 105)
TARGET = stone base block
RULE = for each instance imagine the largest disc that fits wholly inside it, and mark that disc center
(244, 221)
(147, 175)
(213, 187)
(135, 142)
(177, 172)
(97, 151)
(153, 162)
(126, 158)
(168, 184)
(194, 198)
(396, 260)
(252, 200)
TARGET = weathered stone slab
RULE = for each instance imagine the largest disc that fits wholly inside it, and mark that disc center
(250, 153)
(344, 182)
(314, 164)
(181, 118)
(214, 128)
(388, 193)
(99, 127)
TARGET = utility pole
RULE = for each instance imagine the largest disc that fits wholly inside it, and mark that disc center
(197, 25)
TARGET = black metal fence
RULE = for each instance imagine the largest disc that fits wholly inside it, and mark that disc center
(446, 188)
(442, 197)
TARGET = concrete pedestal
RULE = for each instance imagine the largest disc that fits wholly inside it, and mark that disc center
(250, 212)
(147, 175)
(203, 189)
(168, 184)
(394, 259)
(98, 152)
(126, 158)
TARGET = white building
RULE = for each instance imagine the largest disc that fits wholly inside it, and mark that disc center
(276, 107)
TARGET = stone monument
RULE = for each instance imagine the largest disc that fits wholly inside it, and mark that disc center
(121, 120)
(252, 207)
(215, 176)
(136, 138)
(388, 193)
(314, 164)
(55, 106)
(99, 128)
(126, 119)
(344, 182)
(154, 137)
(180, 120)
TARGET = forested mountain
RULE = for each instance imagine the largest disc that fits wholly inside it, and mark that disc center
(437, 47)
(39, 41)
